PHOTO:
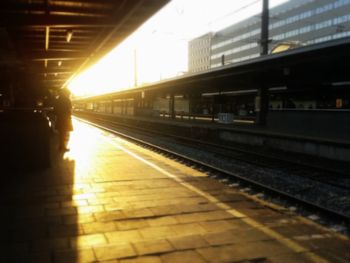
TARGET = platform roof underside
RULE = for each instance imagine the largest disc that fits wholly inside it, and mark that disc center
(53, 39)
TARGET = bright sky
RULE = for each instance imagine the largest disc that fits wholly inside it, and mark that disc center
(161, 44)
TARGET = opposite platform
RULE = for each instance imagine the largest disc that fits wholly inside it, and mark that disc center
(109, 200)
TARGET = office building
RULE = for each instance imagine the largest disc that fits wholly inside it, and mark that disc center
(199, 53)
(300, 22)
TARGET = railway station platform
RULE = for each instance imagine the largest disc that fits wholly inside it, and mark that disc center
(108, 200)
(314, 145)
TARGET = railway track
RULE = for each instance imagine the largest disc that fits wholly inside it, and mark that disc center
(293, 198)
(263, 159)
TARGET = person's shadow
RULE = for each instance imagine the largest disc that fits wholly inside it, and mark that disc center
(39, 215)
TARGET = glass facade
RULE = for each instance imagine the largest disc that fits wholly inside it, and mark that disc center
(300, 21)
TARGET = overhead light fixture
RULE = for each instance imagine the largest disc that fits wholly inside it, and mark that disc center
(59, 63)
(69, 35)
(47, 35)
(55, 74)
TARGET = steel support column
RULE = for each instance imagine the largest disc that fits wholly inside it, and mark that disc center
(262, 104)
(172, 106)
(264, 39)
(262, 98)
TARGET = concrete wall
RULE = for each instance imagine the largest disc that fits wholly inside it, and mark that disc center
(327, 124)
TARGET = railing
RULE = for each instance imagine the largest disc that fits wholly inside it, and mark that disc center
(224, 118)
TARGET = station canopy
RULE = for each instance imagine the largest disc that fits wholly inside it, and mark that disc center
(50, 40)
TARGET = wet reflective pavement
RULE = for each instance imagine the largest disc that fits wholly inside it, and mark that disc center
(108, 200)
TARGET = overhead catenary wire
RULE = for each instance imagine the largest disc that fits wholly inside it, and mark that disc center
(235, 11)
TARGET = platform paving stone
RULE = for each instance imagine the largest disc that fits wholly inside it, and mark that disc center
(218, 226)
(156, 246)
(117, 237)
(99, 227)
(183, 257)
(143, 259)
(114, 251)
(88, 240)
(78, 219)
(290, 258)
(221, 254)
(97, 203)
(162, 221)
(130, 224)
(188, 242)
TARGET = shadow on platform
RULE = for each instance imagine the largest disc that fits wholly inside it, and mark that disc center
(39, 215)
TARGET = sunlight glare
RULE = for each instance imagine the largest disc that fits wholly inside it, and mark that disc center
(161, 44)
(83, 150)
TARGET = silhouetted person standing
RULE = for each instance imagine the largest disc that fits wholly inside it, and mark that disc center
(63, 111)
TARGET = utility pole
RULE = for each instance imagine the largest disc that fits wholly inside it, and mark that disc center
(264, 41)
(223, 60)
(135, 68)
(262, 98)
